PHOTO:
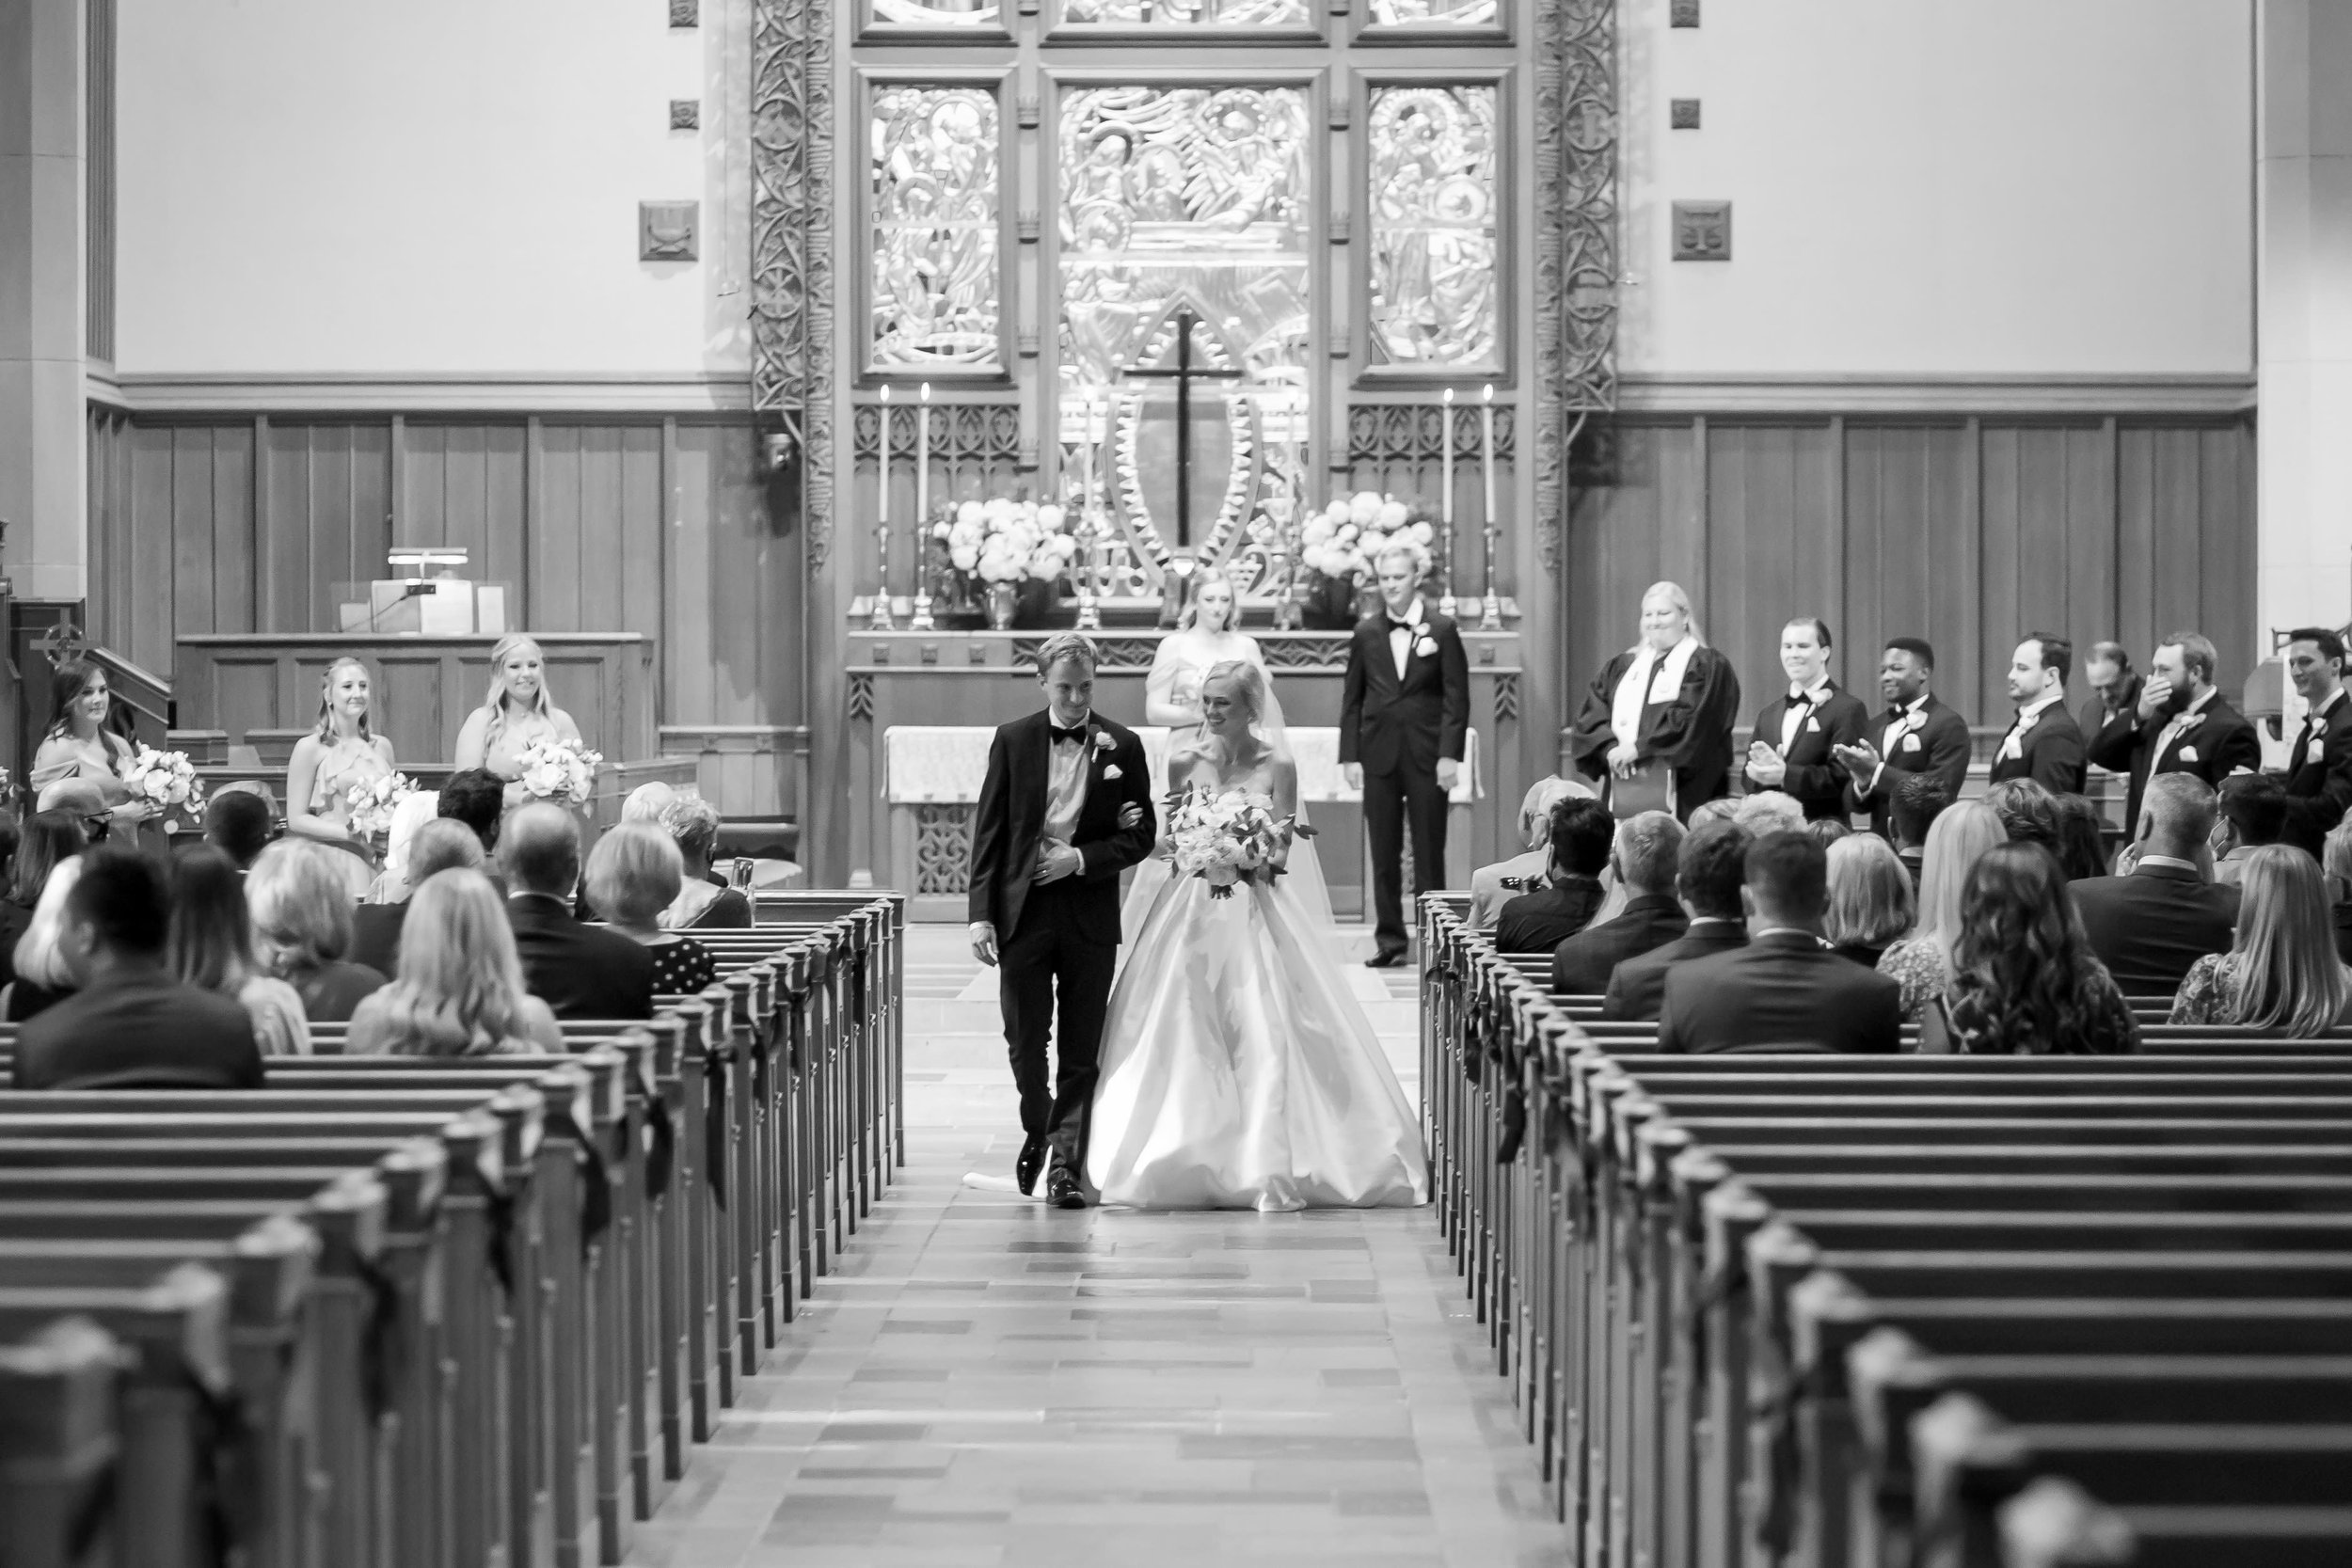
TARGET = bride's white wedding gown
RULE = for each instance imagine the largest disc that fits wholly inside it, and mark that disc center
(1239, 1070)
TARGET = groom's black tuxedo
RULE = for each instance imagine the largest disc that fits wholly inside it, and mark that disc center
(1398, 726)
(1064, 932)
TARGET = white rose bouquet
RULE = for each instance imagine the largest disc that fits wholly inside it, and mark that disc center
(1344, 540)
(1225, 839)
(1001, 540)
(560, 770)
(167, 781)
(372, 805)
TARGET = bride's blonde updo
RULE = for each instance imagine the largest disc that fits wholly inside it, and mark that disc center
(1249, 684)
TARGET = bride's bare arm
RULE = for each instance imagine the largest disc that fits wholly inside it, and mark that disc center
(1285, 781)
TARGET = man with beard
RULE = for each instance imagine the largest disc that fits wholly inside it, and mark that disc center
(2115, 688)
(2044, 743)
(1917, 737)
(2319, 769)
(2182, 725)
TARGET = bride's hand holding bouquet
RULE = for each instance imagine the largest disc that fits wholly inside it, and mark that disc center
(1227, 838)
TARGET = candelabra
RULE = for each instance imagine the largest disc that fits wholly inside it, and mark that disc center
(1490, 606)
(1089, 610)
(880, 620)
(921, 619)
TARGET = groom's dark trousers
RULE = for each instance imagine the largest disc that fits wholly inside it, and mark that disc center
(1397, 727)
(1057, 942)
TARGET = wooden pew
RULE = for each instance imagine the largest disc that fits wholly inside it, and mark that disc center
(58, 1448)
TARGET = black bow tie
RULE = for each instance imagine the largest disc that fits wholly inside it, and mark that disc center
(1061, 735)
(1395, 624)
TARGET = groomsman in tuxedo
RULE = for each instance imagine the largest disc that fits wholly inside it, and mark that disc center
(2181, 724)
(1066, 806)
(2115, 688)
(1797, 736)
(2319, 769)
(1917, 737)
(1404, 724)
(2044, 743)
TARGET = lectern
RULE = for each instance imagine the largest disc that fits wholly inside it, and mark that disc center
(430, 600)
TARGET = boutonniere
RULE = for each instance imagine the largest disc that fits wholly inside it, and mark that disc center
(2319, 727)
(1426, 647)
(1103, 741)
(2190, 722)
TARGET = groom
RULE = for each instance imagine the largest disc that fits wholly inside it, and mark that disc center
(1047, 849)
(1403, 723)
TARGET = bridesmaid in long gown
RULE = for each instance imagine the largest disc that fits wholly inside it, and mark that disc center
(1239, 1070)
(516, 712)
(78, 745)
(341, 751)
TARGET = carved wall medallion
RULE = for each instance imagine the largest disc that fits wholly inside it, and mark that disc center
(1702, 230)
(686, 113)
(1506, 697)
(1682, 114)
(666, 230)
(862, 695)
(1682, 13)
(685, 13)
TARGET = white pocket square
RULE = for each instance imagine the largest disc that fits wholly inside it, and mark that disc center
(1911, 743)
(2188, 753)
(1812, 724)
(1113, 771)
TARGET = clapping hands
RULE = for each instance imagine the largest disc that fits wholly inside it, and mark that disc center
(1861, 761)
(1765, 766)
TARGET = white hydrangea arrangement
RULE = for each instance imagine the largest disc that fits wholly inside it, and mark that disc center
(166, 781)
(1344, 540)
(1003, 539)
(558, 770)
(370, 805)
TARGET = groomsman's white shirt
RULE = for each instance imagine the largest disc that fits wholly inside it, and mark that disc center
(1401, 638)
(1804, 701)
(2015, 744)
(1065, 786)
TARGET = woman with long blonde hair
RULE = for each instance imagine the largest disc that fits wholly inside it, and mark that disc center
(459, 991)
(1922, 963)
(515, 713)
(341, 750)
(2281, 971)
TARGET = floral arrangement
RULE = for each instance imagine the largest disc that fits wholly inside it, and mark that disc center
(1225, 838)
(372, 805)
(166, 781)
(1004, 540)
(1344, 540)
(560, 770)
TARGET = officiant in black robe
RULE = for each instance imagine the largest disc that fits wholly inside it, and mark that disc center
(1681, 700)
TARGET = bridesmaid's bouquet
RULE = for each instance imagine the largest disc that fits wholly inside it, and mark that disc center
(560, 770)
(1225, 838)
(166, 781)
(372, 805)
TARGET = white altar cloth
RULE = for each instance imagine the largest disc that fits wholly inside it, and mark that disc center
(935, 764)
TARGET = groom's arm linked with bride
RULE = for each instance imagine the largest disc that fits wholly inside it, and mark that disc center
(1051, 834)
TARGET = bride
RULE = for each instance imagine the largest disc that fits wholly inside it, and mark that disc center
(1210, 635)
(1238, 1070)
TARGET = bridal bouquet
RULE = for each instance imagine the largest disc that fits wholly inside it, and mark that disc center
(1225, 838)
(559, 770)
(372, 805)
(166, 781)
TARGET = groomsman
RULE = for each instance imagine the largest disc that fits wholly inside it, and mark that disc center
(2114, 687)
(2044, 743)
(1917, 737)
(2181, 724)
(1798, 734)
(2319, 769)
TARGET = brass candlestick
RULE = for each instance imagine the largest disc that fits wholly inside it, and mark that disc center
(880, 620)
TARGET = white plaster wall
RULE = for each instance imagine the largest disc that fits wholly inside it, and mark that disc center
(1945, 187)
(428, 187)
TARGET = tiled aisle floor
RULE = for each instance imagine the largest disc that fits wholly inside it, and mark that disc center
(987, 1381)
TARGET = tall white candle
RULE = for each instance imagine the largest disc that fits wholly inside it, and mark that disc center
(1486, 441)
(883, 510)
(1446, 417)
(1093, 448)
(923, 460)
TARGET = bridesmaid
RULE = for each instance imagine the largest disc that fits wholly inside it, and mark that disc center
(516, 712)
(341, 751)
(78, 745)
(1205, 637)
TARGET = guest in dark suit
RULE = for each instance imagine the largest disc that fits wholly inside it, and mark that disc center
(132, 1025)
(1916, 737)
(1404, 724)
(237, 823)
(2044, 743)
(2250, 814)
(1919, 801)
(2115, 688)
(478, 798)
(1798, 733)
(581, 970)
(1656, 722)
(2180, 726)
(1786, 988)
(1542, 918)
(376, 928)
(2319, 769)
(1708, 873)
(1643, 860)
(2149, 926)
(1066, 807)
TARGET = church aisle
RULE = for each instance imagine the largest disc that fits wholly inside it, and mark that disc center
(987, 1381)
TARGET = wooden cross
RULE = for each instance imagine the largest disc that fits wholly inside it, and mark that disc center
(1184, 373)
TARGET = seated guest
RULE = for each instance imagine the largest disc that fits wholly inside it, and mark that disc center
(46, 839)
(577, 968)
(44, 970)
(2251, 812)
(1540, 920)
(1921, 963)
(439, 845)
(1487, 893)
(1870, 902)
(634, 877)
(2282, 972)
(1827, 830)
(210, 947)
(647, 801)
(1786, 988)
(1643, 859)
(393, 884)
(236, 823)
(1918, 802)
(85, 801)
(477, 798)
(1768, 810)
(130, 1024)
(302, 929)
(459, 990)
(704, 900)
(2082, 846)
(2336, 860)
(2149, 926)
(2026, 982)
(12, 918)
(1722, 809)
(2028, 813)
(1710, 870)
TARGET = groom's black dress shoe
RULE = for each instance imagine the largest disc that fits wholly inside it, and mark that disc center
(1385, 960)
(1061, 1189)
(1032, 1161)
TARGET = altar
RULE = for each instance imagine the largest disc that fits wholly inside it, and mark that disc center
(922, 705)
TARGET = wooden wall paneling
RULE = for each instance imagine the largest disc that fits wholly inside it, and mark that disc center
(1612, 539)
(235, 540)
(146, 634)
(464, 490)
(645, 516)
(2229, 564)
(188, 519)
(689, 665)
(1770, 500)
(285, 481)
(2179, 537)
(2000, 611)
(2093, 501)
(755, 627)
(2135, 563)
(555, 510)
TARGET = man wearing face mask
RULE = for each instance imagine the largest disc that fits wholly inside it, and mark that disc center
(2319, 769)
(2044, 743)
(1799, 732)
(2183, 725)
(1917, 737)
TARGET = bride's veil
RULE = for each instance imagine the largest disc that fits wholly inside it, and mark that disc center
(1306, 865)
